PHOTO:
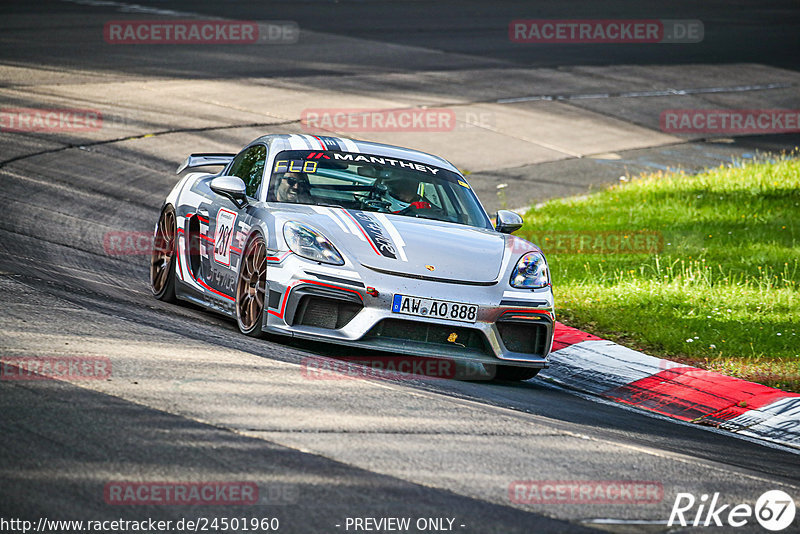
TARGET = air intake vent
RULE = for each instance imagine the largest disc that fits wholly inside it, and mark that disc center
(324, 312)
(523, 337)
(452, 337)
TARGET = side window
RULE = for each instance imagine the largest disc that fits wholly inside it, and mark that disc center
(429, 193)
(249, 166)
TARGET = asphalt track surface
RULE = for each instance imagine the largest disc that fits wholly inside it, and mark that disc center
(191, 400)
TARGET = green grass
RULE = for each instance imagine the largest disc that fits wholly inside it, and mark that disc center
(722, 291)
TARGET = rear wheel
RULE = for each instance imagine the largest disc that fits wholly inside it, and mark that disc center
(251, 288)
(510, 373)
(162, 261)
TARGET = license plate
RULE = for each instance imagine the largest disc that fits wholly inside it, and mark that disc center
(439, 309)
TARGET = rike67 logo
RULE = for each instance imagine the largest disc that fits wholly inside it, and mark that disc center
(774, 510)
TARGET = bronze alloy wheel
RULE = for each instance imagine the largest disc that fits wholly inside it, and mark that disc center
(162, 270)
(252, 287)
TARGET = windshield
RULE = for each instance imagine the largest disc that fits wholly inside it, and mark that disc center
(374, 183)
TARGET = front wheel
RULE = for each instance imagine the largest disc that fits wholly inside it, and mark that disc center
(162, 261)
(510, 373)
(251, 288)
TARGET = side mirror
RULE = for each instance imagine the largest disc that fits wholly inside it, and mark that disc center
(507, 222)
(231, 187)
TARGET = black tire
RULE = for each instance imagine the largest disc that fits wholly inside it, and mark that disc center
(251, 288)
(510, 373)
(162, 259)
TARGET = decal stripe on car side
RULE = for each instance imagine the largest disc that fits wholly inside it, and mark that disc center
(213, 290)
(179, 243)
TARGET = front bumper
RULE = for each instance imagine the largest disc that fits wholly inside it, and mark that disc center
(312, 301)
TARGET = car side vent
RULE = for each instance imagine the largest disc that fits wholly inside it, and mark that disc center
(324, 312)
(194, 245)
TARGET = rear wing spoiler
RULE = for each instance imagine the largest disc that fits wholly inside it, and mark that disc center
(205, 160)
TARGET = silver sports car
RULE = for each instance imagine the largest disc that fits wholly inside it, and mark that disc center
(355, 243)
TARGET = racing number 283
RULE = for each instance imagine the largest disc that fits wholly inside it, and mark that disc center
(223, 241)
(223, 232)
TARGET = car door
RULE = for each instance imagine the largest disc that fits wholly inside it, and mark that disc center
(226, 225)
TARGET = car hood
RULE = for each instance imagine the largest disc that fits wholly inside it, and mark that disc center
(418, 247)
(407, 246)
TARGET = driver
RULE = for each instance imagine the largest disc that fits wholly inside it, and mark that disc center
(294, 188)
(404, 196)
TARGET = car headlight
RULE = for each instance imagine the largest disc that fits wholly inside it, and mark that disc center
(531, 272)
(308, 243)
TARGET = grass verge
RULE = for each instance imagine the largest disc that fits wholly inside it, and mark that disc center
(701, 269)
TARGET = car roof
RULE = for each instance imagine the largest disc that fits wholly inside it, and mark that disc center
(343, 144)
